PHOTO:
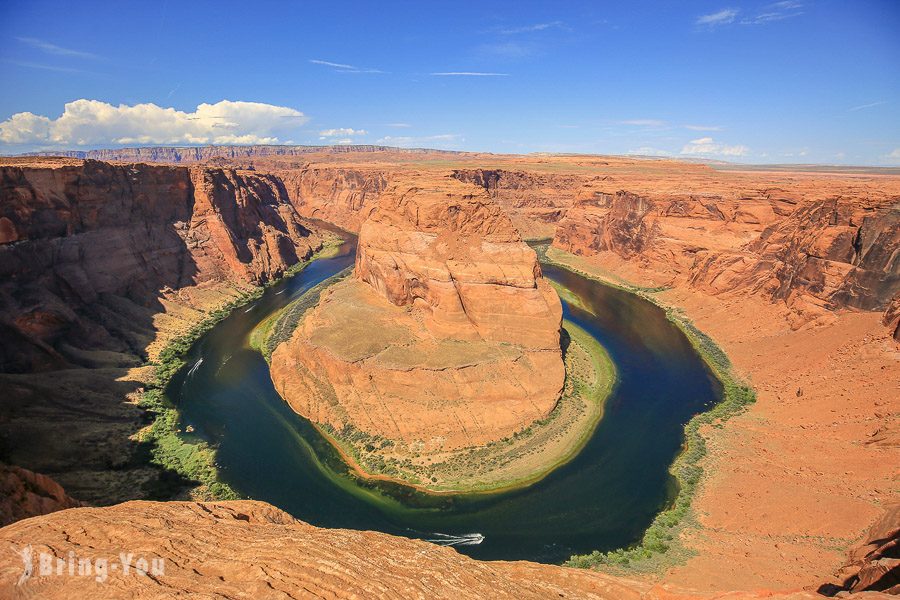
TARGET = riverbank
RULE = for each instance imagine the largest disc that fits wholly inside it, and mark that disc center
(517, 461)
(163, 443)
(789, 484)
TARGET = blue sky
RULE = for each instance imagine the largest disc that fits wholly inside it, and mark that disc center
(790, 81)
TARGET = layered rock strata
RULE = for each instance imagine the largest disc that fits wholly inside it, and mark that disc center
(446, 337)
(100, 266)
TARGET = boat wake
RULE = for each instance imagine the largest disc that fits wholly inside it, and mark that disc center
(195, 367)
(465, 539)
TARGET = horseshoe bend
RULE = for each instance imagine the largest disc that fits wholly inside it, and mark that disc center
(499, 300)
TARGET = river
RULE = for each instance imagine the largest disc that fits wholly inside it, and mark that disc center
(603, 499)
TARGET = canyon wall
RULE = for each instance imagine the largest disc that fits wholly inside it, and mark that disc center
(815, 257)
(535, 201)
(342, 196)
(100, 266)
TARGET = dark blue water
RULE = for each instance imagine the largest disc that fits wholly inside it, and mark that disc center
(603, 499)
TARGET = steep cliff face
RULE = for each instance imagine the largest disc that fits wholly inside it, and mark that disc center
(820, 256)
(452, 252)
(252, 549)
(447, 338)
(343, 196)
(891, 317)
(86, 246)
(100, 266)
(534, 201)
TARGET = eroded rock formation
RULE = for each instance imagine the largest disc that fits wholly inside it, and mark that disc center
(448, 336)
(822, 256)
(100, 266)
(252, 549)
(25, 494)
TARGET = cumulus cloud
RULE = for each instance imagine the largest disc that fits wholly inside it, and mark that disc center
(706, 146)
(722, 17)
(91, 122)
(344, 131)
(893, 157)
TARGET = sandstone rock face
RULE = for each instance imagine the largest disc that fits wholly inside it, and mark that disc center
(447, 338)
(342, 196)
(535, 202)
(100, 266)
(87, 245)
(449, 250)
(822, 256)
(874, 564)
(25, 494)
(251, 549)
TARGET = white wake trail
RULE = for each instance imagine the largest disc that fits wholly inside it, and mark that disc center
(465, 539)
(195, 367)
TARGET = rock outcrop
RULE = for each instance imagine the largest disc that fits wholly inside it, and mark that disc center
(447, 337)
(252, 549)
(891, 318)
(25, 494)
(874, 563)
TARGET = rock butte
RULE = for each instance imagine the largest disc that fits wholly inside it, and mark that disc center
(446, 337)
(791, 270)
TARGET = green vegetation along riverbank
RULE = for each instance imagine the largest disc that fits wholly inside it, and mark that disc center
(188, 457)
(660, 546)
(517, 461)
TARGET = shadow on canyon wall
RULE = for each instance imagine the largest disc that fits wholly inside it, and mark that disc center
(90, 256)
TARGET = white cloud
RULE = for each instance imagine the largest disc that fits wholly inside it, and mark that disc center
(91, 122)
(530, 28)
(344, 131)
(644, 122)
(49, 48)
(399, 125)
(865, 106)
(703, 127)
(706, 146)
(444, 140)
(648, 151)
(469, 74)
(893, 158)
(722, 17)
(776, 11)
(343, 67)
